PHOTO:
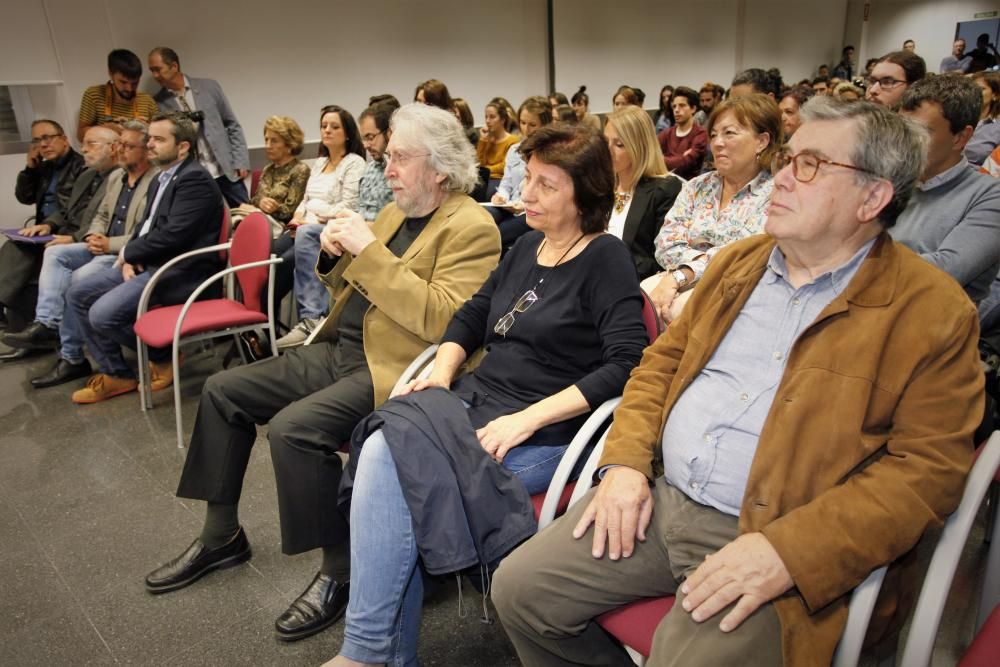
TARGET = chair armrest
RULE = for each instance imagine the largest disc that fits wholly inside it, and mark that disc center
(570, 458)
(147, 293)
(944, 562)
(413, 371)
(859, 613)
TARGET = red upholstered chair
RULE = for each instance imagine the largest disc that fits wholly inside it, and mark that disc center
(253, 266)
(255, 181)
(985, 648)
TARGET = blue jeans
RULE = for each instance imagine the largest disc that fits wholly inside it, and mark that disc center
(383, 615)
(104, 305)
(234, 192)
(63, 265)
(310, 293)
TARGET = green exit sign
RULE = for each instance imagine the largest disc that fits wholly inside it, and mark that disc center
(985, 15)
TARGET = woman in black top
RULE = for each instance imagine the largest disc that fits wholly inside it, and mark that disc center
(644, 191)
(561, 323)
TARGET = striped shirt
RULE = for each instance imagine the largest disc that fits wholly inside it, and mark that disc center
(98, 102)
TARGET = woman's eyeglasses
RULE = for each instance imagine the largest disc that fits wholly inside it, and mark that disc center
(504, 324)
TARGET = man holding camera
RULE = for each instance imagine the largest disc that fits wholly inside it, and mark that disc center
(222, 148)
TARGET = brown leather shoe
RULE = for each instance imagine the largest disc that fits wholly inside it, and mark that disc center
(101, 387)
(161, 376)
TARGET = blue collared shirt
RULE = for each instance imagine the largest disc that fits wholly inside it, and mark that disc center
(710, 438)
(164, 179)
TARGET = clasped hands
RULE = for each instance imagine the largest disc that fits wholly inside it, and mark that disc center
(348, 231)
(747, 571)
(497, 437)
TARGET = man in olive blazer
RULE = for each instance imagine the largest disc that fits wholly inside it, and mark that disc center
(394, 287)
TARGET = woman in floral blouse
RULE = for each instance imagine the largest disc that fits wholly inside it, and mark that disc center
(721, 206)
(283, 181)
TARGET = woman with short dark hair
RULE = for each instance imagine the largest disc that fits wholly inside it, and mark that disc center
(561, 318)
(789, 105)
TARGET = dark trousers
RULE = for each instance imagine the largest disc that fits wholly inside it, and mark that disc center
(311, 407)
(234, 192)
(19, 263)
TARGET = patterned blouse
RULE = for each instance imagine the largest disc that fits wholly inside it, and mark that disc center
(286, 184)
(695, 227)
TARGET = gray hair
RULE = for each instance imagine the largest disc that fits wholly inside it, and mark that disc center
(137, 126)
(888, 146)
(442, 136)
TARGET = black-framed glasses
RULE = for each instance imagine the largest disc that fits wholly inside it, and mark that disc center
(44, 139)
(504, 324)
(805, 166)
(885, 82)
(371, 137)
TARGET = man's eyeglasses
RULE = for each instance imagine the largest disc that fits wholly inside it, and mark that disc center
(401, 158)
(371, 137)
(805, 166)
(44, 139)
(885, 83)
(504, 324)
(130, 147)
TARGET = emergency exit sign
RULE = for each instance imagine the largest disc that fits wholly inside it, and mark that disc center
(986, 15)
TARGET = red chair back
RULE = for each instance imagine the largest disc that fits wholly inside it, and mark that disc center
(252, 243)
(649, 317)
(254, 182)
(227, 225)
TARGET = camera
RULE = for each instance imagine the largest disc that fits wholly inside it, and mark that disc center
(194, 116)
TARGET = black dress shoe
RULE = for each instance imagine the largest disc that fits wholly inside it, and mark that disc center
(321, 605)
(36, 336)
(17, 355)
(62, 372)
(197, 561)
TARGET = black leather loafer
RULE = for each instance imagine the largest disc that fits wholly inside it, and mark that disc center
(197, 561)
(62, 372)
(321, 605)
(36, 336)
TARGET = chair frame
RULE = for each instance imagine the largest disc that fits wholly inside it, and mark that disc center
(145, 388)
(927, 614)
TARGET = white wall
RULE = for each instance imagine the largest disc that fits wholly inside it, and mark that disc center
(648, 43)
(930, 23)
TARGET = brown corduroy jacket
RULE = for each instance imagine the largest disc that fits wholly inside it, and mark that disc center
(868, 441)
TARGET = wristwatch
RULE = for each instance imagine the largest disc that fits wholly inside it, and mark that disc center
(680, 278)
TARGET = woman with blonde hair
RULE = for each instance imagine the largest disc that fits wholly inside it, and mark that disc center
(283, 180)
(644, 191)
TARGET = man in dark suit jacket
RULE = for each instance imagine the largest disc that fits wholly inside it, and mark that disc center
(66, 190)
(183, 212)
(222, 147)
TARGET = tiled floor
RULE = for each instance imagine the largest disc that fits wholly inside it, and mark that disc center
(87, 508)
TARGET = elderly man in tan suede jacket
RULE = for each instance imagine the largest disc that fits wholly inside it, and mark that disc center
(813, 411)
